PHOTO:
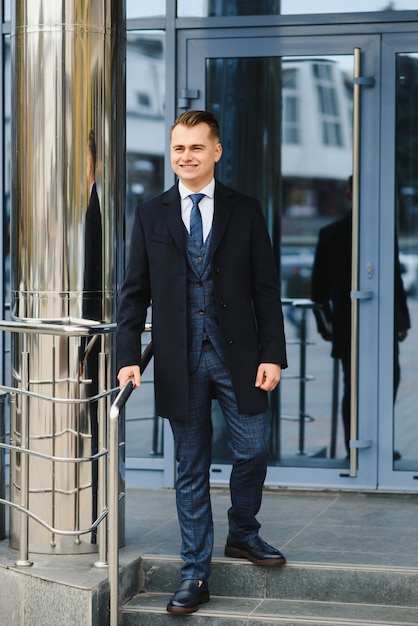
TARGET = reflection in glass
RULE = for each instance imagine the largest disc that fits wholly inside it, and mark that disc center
(341, 6)
(134, 9)
(6, 10)
(224, 8)
(145, 144)
(288, 141)
(6, 204)
(406, 202)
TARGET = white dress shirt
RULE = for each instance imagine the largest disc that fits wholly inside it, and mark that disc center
(205, 206)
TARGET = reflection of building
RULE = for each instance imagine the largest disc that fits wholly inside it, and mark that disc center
(145, 139)
(316, 139)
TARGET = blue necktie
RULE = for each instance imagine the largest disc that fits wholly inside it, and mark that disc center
(196, 229)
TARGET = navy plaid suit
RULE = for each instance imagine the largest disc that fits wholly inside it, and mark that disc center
(248, 435)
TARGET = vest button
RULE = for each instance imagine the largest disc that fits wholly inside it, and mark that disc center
(199, 258)
(201, 312)
(199, 283)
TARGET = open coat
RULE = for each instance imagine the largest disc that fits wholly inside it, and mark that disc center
(246, 290)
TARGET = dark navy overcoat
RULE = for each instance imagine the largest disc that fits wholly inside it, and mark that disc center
(246, 290)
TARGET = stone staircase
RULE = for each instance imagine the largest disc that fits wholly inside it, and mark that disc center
(314, 594)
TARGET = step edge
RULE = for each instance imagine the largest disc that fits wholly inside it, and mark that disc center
(299, 565)
(284, 618)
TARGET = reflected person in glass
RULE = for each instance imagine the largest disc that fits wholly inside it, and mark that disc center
(217, 332)
(331, 287)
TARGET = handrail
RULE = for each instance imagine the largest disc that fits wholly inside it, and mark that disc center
(113, 489)
(71, 327)
(113, 501)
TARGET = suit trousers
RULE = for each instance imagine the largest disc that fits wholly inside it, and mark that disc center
(249, 437)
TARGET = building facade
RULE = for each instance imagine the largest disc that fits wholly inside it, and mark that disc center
(307, 94)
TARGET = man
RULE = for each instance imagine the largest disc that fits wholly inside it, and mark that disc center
(331, 287)
(217, 329)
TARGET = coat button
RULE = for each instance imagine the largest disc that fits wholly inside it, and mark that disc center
(217, 269)
(224, 305)
(229, 341)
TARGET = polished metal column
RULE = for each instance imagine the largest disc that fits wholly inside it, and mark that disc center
(68, 196)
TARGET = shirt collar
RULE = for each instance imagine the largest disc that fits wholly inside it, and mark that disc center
(209, 190)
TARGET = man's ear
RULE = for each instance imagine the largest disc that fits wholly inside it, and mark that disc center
(218, 152)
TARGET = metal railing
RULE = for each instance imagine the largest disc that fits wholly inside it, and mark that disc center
(108, 473)
(66, 328)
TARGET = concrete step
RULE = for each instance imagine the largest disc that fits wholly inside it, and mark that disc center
(148, 609)
(302, 593)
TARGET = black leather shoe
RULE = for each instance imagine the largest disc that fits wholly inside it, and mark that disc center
(255, 550)
(188, 597)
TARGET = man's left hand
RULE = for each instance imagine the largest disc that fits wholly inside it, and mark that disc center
(268, 376)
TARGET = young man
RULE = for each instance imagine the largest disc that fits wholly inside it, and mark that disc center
(202, 254)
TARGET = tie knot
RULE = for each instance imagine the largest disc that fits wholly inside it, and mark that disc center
(196, 198)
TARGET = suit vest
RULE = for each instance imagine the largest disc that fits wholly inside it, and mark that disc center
(202, 316)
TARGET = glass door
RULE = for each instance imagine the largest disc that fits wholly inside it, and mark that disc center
(285, 107)
(399, 191)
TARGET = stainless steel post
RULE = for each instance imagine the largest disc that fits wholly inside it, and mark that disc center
(102, 465)
(24, 466)
(67, 203)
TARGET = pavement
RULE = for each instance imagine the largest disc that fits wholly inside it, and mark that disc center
(325, 527)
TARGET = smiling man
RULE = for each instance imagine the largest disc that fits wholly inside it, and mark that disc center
(201, 253)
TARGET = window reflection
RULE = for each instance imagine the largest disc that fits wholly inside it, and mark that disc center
(341, 6)
(145, 143)
(7, 164)
(223, 8)
(134, 9)
(145, 133)
(405, 421)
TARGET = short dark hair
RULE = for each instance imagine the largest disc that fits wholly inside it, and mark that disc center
(193, 118)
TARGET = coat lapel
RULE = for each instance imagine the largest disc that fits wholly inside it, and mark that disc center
(171, 208)
(223, 206)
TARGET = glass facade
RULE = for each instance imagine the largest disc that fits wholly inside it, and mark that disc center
(287, 134)
(224, 8)
(406, 246)
(145, 148)
(143, 8)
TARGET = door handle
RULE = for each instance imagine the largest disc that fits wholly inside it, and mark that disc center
(355, 259)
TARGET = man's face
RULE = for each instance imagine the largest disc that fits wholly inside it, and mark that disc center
(194, 154)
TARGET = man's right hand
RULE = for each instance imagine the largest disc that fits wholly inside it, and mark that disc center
(130, 372)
